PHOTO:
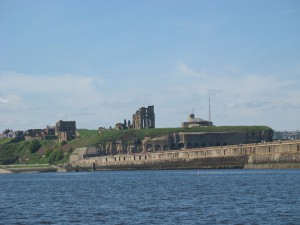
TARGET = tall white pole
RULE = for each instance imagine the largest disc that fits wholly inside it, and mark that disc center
(209, 113)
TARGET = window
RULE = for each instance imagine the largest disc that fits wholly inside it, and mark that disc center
(173, 146)
(149, 147)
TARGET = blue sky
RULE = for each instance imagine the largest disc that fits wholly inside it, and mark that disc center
(97, 62)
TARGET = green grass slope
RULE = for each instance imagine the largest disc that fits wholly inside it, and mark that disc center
(128, 136)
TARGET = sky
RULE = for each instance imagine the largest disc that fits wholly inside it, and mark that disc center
(98, 61)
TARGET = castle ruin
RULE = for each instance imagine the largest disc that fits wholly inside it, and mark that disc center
(144, 118)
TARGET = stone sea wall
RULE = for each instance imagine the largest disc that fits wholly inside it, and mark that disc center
(264, 155)
(33, 168)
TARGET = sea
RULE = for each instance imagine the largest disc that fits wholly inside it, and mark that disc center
(152, 197)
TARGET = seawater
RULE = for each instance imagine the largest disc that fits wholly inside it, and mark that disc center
(152, 197)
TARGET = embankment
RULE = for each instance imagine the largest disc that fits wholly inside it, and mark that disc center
(265, 155)
(36, 168)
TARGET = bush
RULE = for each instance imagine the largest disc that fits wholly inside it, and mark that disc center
(48, 153)
(70, 150)
(63, 143)
(34, 146)
(56, 155)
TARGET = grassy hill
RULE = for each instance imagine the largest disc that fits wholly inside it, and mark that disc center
(49, 151)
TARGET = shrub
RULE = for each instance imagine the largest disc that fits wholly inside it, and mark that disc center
(70, 150)
(34, 146)
(56, 155)
(48, 153)
(63, 143)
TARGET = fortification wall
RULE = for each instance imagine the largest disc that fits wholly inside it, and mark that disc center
(194, 140)
(267, 155)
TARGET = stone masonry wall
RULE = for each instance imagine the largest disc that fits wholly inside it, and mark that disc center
(274, 155)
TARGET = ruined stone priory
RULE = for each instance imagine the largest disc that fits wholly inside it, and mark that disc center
(144, 118)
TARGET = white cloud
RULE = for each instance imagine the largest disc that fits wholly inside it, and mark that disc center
(11, 102)
(44, 98)
(246, 99)
(232, 68)
(185, 70)
(29, 101)
(2, 100)
(67, 83)
(214, 92)
(231, 105)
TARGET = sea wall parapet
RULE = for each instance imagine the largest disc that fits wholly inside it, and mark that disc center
(241, 156)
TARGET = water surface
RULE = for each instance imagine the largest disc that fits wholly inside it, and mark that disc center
(152, 197)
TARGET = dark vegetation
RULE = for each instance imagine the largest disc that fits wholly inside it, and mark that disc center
(49, 151)
(33, 152)
(34, 146)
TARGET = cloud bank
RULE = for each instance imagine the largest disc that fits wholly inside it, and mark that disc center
(34, 101)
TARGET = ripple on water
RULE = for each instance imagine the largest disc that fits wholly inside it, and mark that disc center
(152, 197)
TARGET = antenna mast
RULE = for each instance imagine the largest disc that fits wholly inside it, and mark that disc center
(209, 114)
